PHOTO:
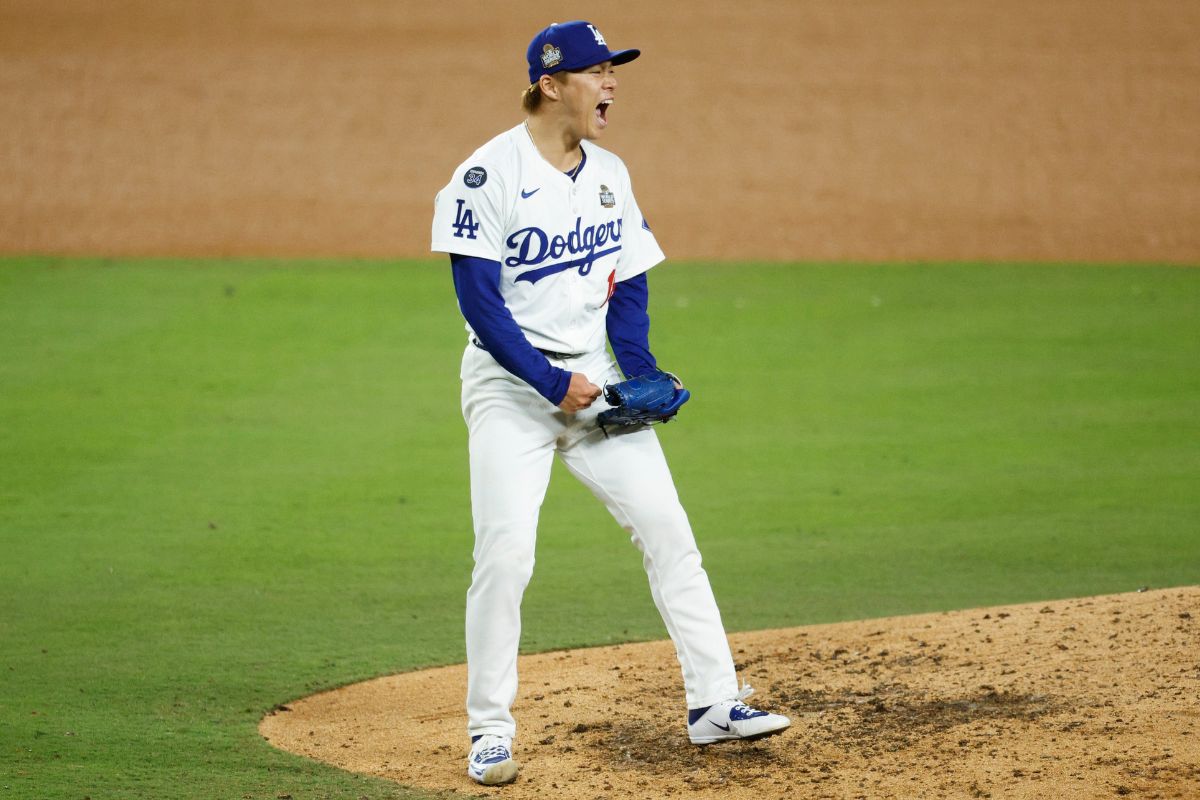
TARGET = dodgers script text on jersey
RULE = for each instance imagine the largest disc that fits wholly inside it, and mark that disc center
(533, 247)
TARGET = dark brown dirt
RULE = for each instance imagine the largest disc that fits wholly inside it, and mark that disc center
(1090, 698)
(925, 129)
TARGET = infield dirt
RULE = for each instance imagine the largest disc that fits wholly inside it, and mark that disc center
(1090, 698)
(824, 130)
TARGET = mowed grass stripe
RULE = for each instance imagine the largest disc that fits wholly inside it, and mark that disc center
(227, 484)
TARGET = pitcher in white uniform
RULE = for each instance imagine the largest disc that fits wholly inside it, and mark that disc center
(549, 251)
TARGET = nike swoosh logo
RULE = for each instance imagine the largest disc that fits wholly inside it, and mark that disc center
(526, 195)
(722, 727)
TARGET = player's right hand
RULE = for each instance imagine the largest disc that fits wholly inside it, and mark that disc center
(580, 394)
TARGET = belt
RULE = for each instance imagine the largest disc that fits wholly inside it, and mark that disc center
(547, 353)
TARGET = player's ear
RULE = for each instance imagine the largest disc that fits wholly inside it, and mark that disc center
(549, 86)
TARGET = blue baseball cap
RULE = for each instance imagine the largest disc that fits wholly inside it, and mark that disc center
(571, 45)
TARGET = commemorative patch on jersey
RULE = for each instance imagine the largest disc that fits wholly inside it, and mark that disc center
(606, 197)
(475, 177)
(551, 56)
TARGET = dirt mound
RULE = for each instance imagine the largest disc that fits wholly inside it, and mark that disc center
(877, 130)
(1097, 697)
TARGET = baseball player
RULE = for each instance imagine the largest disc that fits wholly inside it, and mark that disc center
(549, 253)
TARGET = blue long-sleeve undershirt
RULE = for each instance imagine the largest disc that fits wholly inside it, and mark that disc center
(477, 284)
(628, 326)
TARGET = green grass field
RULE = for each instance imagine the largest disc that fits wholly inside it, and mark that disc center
(224, 485)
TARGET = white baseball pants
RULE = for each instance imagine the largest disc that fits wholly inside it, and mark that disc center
(514, 435)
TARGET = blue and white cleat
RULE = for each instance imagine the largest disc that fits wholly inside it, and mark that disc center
(491, 762)
(733, 719)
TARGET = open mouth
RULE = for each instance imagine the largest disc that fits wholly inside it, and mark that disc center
(602, 112)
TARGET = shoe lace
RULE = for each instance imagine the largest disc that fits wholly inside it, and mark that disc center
(491, 747)
(742, 694)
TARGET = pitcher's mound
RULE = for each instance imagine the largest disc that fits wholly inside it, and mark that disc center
(1090, 698)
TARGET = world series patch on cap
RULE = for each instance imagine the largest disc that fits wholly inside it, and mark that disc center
(571, 45)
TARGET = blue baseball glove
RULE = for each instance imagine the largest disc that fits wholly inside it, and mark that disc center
(643, 400)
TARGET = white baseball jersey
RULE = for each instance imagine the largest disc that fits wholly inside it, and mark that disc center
(562, 244)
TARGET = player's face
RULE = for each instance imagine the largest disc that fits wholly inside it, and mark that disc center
(587, 96)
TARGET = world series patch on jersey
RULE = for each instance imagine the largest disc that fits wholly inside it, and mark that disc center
(562, 244)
